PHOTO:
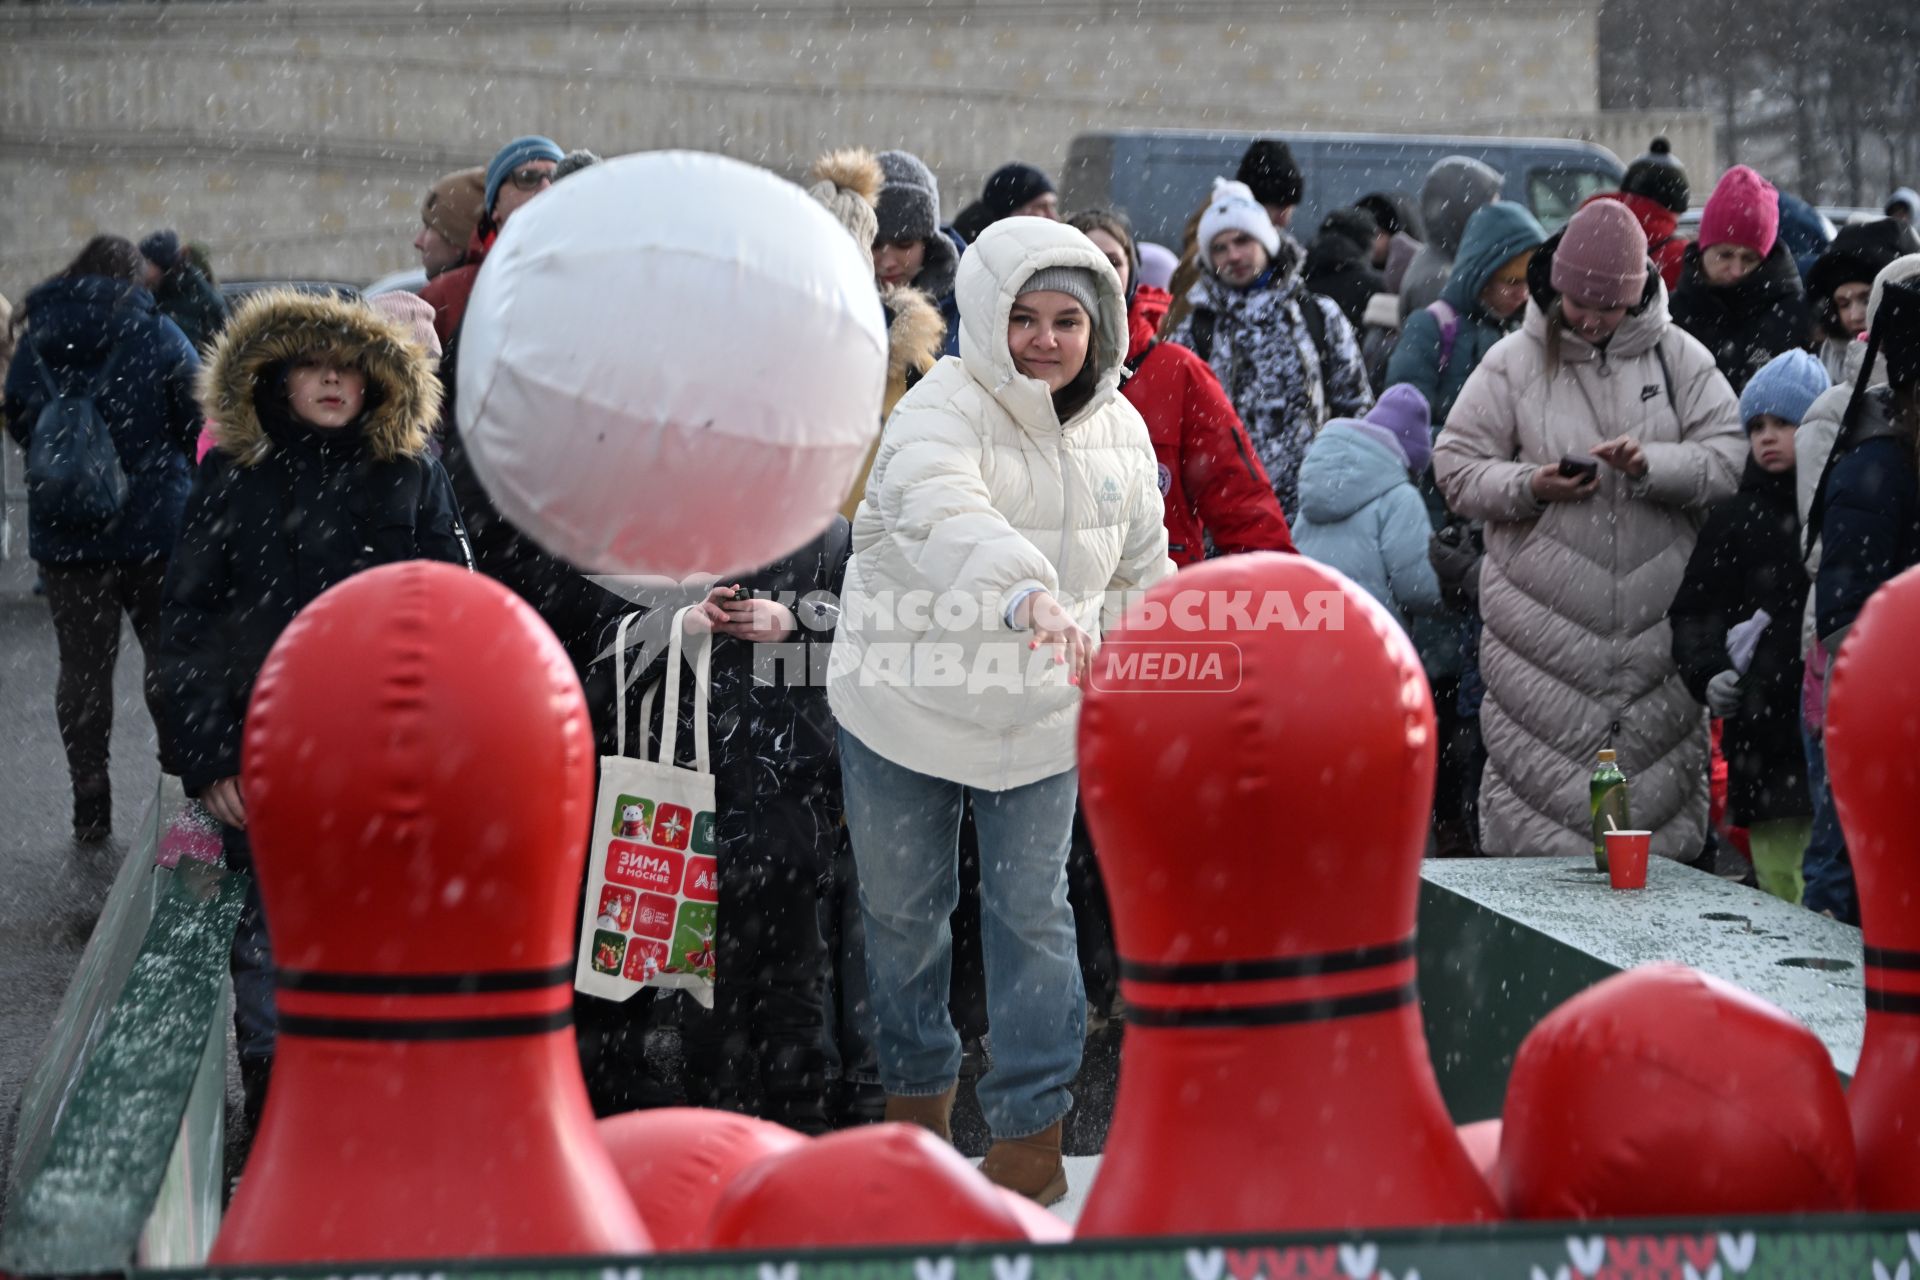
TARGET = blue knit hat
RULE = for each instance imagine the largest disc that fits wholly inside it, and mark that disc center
(515, 154)
(1785, 387)
(162, 249)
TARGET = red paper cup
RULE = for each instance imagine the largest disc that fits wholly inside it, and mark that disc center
(1627, 858)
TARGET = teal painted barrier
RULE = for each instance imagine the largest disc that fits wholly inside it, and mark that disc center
(118, 1157)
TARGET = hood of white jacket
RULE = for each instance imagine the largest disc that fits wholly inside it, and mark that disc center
(991, 273)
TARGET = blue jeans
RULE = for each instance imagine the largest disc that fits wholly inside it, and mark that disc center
(905, 829)
(850, 1030)
(1828, 872)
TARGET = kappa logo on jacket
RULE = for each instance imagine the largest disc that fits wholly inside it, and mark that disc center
(1110, 490)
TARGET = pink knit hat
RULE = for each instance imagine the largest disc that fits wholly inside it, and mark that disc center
(415, 315)
(1602, 256)
(1744, 209)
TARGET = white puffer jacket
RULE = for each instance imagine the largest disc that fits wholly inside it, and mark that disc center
(979, 492)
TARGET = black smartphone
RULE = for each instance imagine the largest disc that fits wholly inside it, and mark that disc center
(1574, 466)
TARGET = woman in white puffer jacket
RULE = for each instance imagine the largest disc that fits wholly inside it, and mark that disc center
(1014, 498)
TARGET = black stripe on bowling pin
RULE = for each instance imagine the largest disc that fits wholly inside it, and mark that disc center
(1277, 1015)
(1268, 970)
(1880, 1000)
(1888, 958)
(1142, 1011)
(495, 982)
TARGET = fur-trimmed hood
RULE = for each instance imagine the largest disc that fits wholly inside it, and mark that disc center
(280, 325)
(916, 332)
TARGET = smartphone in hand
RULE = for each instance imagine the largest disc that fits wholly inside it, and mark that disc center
(1573, 466)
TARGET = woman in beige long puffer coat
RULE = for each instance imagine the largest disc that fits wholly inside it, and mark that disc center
(1580, 569)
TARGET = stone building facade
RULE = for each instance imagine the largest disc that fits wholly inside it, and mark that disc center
(296, 138)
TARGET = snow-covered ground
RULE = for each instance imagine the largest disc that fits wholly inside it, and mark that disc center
(1080, 1171)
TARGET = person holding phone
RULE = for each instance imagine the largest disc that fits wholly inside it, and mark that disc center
(1591, 443)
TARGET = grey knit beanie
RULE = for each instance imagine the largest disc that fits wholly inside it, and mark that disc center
(909, 205)
(1077, 283)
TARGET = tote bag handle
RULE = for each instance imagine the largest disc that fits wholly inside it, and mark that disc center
(670, 724)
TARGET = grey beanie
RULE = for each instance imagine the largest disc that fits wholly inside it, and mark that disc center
(909, 204)
(1077, 283)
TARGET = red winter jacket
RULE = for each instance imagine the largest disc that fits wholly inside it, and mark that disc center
(1210, 476)
(1667, 249)
(449, 291)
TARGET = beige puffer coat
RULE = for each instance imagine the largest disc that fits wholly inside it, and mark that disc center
(1576, 650)
(978, 492)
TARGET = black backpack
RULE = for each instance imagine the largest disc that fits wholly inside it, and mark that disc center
(74, 478)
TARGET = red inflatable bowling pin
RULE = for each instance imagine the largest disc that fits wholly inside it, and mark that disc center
(677, 1161)
(419, 783)
(1256, 761)
(883, 1184)
(1873, 757)
(1666, 1092)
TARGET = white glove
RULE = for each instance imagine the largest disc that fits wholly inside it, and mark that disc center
(1723, 693)
(1744, 638)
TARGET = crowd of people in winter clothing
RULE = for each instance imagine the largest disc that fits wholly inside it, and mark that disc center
(1623, 490)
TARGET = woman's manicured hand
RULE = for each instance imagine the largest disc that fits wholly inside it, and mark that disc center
(1052, 625)
(1624, 455)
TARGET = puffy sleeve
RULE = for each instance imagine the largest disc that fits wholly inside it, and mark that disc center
(1348, 395)
(1416, 357)
(1703, 467)
(1220, 471)
(1143, 555)
(932, 498)
(1404, 536)
(202, 733)
(1702, 607)
(1473, 460)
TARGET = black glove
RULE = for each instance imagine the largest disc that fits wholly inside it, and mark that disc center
(1455, 555)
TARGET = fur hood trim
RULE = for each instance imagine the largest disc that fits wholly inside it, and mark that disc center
(280, 325)
(916, 333)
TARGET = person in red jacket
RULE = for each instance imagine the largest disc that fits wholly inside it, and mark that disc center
(1655, 191)
(517, 173)
(1210, 477)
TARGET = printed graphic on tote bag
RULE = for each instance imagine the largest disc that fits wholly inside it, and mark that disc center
(645, 960)
(654, 918)
(703, 880)
(672, 826)
(692, 948)
(653, 891)
(632, 817)
(609, 948)
(616, 909)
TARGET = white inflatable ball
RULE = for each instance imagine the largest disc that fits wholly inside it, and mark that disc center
(672, 363)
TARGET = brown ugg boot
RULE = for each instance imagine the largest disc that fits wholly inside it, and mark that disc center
(934, 1113)
(1031, 1166)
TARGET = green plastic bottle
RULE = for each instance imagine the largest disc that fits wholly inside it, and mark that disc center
(1608, 795)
